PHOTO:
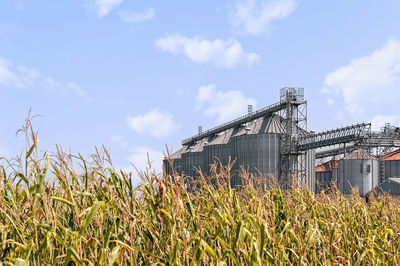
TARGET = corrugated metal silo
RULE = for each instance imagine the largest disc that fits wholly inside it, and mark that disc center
(174, 161)
(216, 149)
(392, 164)
(256, 147)
(358, 170)
(257, 152)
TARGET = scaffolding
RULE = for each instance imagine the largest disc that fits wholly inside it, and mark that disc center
(294, 117)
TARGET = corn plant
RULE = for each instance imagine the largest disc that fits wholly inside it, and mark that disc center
(61, 209)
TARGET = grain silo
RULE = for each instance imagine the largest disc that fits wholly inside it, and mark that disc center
(274, 140)
(325, 175)
(359, 170)
(392, 164)
(255, 146)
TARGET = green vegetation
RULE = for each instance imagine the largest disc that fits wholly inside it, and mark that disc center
(65, 210)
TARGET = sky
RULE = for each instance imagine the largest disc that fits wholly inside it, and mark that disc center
(138, 76)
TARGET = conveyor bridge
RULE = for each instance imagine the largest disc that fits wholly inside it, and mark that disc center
(276, 107)
(333, 137)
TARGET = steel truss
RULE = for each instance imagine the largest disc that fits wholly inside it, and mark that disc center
(380, 143)
(296, 142)
(276, 107)
(383, 145)
(294, 116)
(333, 137)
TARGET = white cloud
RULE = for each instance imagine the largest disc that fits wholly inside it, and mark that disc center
(220, 53)
(255, 16)
(78, 91)
(379, 121)
(222, 105)
(15, 77)
(139, 158)
(103, 7)
(368, 82)
(21, 77)
(51, 85)
(156, 123)
(137, 17)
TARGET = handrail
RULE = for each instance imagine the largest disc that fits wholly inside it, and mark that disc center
(241, 120)
(335, 136)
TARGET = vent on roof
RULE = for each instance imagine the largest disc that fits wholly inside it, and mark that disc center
(250, 109)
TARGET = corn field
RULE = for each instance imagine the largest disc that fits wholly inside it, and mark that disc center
(60, 209)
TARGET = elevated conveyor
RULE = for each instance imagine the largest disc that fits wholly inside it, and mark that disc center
(237, 122)
(369, 142)
(333, 137)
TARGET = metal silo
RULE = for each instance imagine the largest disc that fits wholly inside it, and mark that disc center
(174, 161)
(257, 153)
(256, 147)
(215, 149)
(358, 170)
(392, 164)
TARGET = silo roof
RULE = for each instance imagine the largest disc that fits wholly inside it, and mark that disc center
(359, 155)
(393, 156)
(327, 167)
(221, 138)
(269, 124)
(178, 153)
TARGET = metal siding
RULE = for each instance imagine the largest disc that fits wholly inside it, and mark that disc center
(310, 169)
(392, 169)
(256, 151)
(375, 172)
(324, 180)
(212, 152)
(176, 165)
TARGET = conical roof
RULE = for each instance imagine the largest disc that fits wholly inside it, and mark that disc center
(359, 155)
(178, 153)
(270, 124)
(393, 156)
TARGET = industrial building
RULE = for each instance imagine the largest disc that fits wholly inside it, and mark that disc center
(275, 141)
(326, 174)
(391, 165)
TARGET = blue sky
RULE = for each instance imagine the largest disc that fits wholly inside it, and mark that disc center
(136, 75)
